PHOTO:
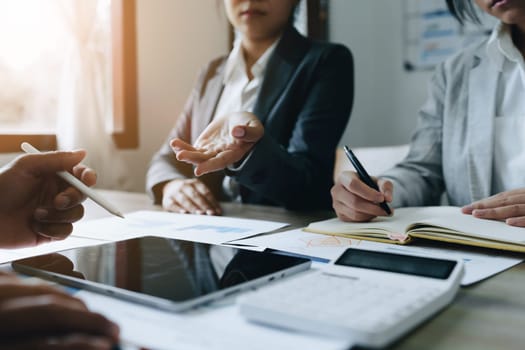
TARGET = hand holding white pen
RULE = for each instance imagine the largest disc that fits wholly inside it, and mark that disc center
(72, 180)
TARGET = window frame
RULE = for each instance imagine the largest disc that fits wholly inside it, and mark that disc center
(124, 79)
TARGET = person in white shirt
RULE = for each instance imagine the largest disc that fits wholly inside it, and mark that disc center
(470, 139)
(299, 94)
(36, 206)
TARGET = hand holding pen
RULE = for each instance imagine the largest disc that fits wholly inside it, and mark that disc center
(357, 197)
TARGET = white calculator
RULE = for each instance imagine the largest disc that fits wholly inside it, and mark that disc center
(368, 297)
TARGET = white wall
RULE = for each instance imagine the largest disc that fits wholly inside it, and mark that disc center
(387, 98)
(175, 39)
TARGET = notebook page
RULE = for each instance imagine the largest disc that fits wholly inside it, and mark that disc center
(452, 218)
(383, 225)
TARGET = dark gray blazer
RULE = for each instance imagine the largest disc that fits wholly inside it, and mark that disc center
(304, 103)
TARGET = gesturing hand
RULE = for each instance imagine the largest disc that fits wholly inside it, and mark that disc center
(508, 206)
(224, 142)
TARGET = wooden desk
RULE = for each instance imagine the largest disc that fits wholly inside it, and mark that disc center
(488, 315)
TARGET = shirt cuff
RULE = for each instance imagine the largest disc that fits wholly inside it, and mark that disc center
(235, 168)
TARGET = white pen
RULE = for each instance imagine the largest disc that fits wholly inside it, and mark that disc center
(79, 185)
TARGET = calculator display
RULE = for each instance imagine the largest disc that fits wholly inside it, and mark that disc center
(399, 263)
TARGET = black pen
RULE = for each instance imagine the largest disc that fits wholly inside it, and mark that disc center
(363, 175)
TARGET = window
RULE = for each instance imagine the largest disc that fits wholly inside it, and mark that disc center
(125, 109)
(32, 36)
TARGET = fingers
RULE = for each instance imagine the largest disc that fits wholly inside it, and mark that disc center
(506, 206)
(170, 204)
(353, 200)
(57, 263)
(198, 200)
(206, 200)
(187, 153)
(5, 274)
(188, 200)
(516, 221)
(219, 162)
(190, 196)
(350, 207)
(496, 201)
(387, 189)
(27, 312)
(71, 197)
(179, 145)
(26, 315)
(12, 287)
(85, 174)
(194, 157)
(62, 342)
(351, 181)
(511, 213)
(68, 198)
(248, 133)
(52, 224)
(50, 162)
(17, 304)
(52, 215)
(224, 141)
(245, 126)
(50, 231)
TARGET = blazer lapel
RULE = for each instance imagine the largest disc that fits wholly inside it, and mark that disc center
(288, 53)
(481, 112)
(209, 98)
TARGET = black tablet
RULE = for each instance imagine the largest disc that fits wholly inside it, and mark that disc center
(165, 273)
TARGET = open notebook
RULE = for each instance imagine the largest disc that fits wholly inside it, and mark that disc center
(446, 224)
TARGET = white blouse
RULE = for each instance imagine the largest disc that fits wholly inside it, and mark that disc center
(509, 127)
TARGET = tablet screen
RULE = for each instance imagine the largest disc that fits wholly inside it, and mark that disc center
(170, 269)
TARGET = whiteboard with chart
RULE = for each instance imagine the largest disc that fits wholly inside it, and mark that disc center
(431, 34)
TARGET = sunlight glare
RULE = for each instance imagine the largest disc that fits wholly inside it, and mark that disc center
(28, 29)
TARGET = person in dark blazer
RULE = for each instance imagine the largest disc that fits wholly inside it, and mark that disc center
(298, 91)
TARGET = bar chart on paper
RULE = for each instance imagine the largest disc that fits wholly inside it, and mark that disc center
(199, 228)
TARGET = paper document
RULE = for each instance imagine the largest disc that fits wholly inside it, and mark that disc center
(198, 228)
(213, 327)
(304, 243)
(8, 255)
(478, 265)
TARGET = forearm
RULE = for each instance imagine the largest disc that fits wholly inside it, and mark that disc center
(418, 179)
(412, 189)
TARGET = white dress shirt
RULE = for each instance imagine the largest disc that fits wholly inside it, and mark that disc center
(240, 93)
(509, 127)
